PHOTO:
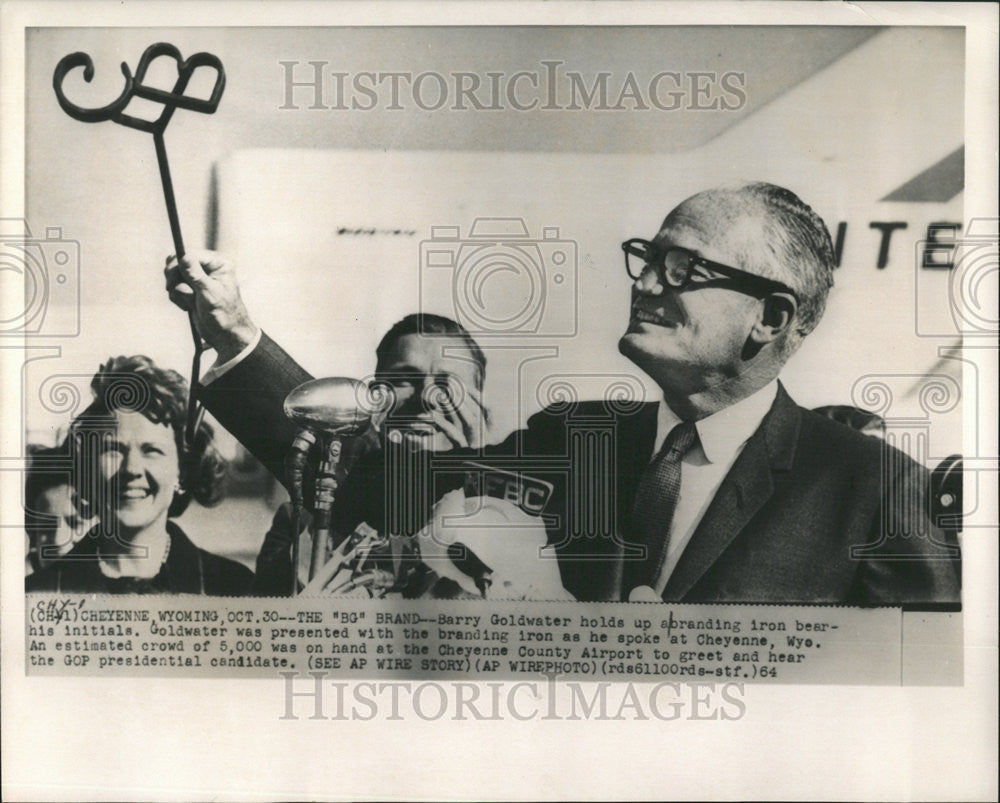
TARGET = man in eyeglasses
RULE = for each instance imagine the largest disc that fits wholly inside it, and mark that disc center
(746, 496)
(725, 490)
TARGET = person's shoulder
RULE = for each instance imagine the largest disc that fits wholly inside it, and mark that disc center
(549, 427)
(222, 576)
(226, 569)
(73, 571)
(225, 577)
(64, 576)
(822, 438)
(837, 435)
(46, 579)
(589, 410)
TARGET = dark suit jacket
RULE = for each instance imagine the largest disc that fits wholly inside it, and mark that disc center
(811, 511)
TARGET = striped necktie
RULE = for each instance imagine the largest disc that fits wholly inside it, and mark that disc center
(656, 500)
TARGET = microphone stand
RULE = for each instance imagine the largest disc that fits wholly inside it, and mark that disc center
(326, 485)
(295, 464)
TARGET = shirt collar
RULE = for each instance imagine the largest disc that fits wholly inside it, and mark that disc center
(721, 434)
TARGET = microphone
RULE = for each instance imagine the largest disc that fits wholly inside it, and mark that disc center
(295, 463)
(331, 408)
(295, 466)
(643, 594)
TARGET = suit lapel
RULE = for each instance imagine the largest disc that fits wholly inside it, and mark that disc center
(745, 489)
(593, 568)
(634, 453)
(635, 449)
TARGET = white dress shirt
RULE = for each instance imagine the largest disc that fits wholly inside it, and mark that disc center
(721, 438)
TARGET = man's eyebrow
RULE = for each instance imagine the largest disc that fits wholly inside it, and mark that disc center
(666, 244)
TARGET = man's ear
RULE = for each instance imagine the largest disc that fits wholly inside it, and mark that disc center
(775, 319)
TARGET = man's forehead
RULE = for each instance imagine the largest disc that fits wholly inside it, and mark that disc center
(723, 219)
(428, 351)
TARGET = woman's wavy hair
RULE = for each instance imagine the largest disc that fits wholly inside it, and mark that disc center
(137, 384)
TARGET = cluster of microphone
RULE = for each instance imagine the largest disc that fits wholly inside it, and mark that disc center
(327, 411)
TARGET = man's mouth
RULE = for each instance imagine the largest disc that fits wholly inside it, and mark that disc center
(640, 315)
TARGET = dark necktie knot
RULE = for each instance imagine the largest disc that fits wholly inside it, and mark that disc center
(680, 439)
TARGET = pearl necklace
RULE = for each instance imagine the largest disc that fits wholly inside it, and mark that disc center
(110, 571)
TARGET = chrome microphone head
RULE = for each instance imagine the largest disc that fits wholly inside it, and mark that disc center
(335, 405)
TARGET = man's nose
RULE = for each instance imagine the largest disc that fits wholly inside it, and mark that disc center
(649, 282)
(410, 400)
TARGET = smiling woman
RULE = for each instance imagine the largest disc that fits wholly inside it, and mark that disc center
(131, 466)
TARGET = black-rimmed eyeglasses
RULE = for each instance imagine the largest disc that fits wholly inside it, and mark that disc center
(675, 266)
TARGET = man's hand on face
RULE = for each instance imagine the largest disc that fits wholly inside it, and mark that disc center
(447, 414)
(205, 282)
(434, 383)
(458, 413)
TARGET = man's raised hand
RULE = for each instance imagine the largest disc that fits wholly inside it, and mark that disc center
(204, 282)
